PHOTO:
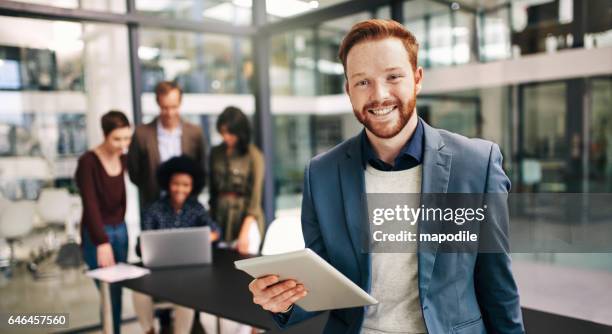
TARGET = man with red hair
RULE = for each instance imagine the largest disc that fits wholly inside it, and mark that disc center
(398, 153)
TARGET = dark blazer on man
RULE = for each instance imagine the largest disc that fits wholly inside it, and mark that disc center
(143, 157)
(459, 292)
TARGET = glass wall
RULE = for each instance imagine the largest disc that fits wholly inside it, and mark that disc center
(541, 26)
(454, 113)
(445, 33)
(292, 63)
(55, 83)
(454, 34)
(331, 72)
(223, 11)
(495, 37)
(304, 64)
(214, 64)
(284, 9)
(331, 34)
(237, 12)
(553, 156)
(544, 148)
(116, 6)
(600, 135)
(463, 39)
(550, 26)
(299, 137)
(54, 88)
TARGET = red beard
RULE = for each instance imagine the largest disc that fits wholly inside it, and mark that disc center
(388, 129)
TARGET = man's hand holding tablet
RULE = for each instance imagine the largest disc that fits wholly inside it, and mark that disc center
(275, 296)
(302, 278)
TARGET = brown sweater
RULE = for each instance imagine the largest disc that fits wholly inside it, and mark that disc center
(103, 196)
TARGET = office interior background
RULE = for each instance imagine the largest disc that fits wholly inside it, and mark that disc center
(535, 76)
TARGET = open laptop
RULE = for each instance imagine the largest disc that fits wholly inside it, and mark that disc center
(176, 247)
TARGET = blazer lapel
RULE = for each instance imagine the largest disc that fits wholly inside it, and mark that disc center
(436, 171)
(185, 142)
(354, 202)
(154, 151)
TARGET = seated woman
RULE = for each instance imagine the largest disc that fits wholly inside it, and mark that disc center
(181, 180)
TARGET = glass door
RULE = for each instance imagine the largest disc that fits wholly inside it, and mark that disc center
(543, 150)
(600, 135)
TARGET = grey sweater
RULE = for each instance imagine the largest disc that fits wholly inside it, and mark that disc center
(394, 275)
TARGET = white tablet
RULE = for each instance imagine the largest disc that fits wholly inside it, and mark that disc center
(327, 288)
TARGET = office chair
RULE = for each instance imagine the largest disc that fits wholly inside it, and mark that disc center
(16, 221)
(54, 206)
(57, 209)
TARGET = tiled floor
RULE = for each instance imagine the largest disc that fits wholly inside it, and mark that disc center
(69, 292)
(62, 290)
(578, 293)
(131, 327)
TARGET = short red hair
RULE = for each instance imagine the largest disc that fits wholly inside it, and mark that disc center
(377, 29)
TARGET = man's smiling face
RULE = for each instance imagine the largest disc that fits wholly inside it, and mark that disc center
(382, 85)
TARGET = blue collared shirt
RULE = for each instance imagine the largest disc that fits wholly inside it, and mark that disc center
(410, 156)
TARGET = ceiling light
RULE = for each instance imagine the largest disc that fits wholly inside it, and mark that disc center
(243, 3)
(147, 53)
(279, 8)
(154, 6)
(460, 31)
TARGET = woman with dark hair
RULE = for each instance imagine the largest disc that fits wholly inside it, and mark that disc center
(181, 180)
(100, 178)
(236, 181)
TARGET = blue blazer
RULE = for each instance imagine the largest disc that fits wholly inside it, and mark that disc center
(459, 292)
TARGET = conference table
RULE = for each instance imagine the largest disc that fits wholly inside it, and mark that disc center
(222, 290)
(218, 289)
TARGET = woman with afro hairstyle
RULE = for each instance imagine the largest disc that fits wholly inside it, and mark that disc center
(181, 181)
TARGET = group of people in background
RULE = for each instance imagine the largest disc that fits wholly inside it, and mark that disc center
(168, 160)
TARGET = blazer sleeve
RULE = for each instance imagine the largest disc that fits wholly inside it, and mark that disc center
(135, 159)
(496, 289)
(313, 240)
(84, 177)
